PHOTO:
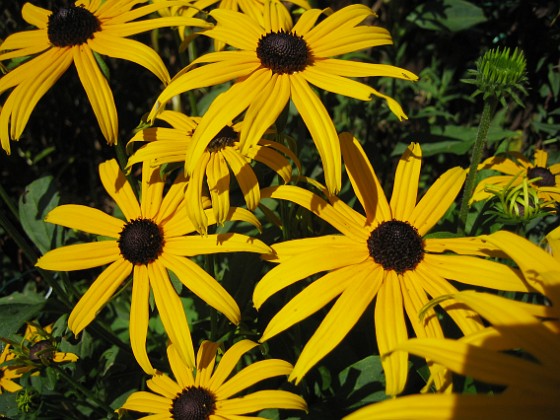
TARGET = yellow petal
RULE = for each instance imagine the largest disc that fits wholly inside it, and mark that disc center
(139, 317)
(405, 186)
(193, 195)
(190, 246)
(182, 373)
(146, 402)
(98, 295)
(260, 400)
(228, 362)
(80, 256)
(119, 189)
(245, 176)
(36, 16)
(152, 191)
(164, 385)
(86, 219)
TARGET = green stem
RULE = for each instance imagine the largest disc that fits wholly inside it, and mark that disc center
(85, 392)
(476, 156)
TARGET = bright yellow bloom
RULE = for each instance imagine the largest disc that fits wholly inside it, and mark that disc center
(153, 239)
(221, 157)
(532, 382)
(545, 179)
(74, 34)
(8, 372)
(384, 255)
(276, 61)
(207, 392)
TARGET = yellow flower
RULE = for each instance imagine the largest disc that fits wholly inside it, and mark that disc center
(8, 372)
(221, 156)
(153, 239)
(207, 393)
(545, 179)
(277, 61)
(42, 348)
(531, 382)
(384, 255)
(74, 34)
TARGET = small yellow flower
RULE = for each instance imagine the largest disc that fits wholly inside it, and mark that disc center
(42, 348)
(516, 168)
(8, 372)
(153, 239)
(73, 34)
(222, 156)
(383, 255)
(276, 61)
(207, 392)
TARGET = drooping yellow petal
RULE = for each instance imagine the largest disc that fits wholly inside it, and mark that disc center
(364, 181)
(171, 310)
(35, 15)
(86, 219)
(337, 84)
(193, 196)
(349, 68)
(321, 127)
(203, 285)
(146, 402)
(98, 294)
(271, 158)
(139, 317)
(23, 44)
(98, 92)
(389, 311)
(437, 200)
(127, 49)
(245, 176)
(341, 318)
(217, 175)
(119, 189)
(182, 373)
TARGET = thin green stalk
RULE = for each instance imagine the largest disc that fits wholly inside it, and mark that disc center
(85, 392)
(476, 156)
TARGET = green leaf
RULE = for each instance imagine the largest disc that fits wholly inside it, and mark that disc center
(362, 383)
(40, 197)
(451, 15)
(17, 309)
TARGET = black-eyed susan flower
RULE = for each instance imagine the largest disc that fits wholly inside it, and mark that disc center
(75, 34)
(384, 255)
(41, 346)
(8, 372)
(153, 239)
(276, 61)
(516, 168)
(222, 156)
(530, 374)
(209, 393)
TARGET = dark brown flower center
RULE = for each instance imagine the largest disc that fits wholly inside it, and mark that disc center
(193, 403)
(41, 350)
(546, 178)
(69, 26)
(141, 241)
(226, 137)
(283, 52)
(396, 245)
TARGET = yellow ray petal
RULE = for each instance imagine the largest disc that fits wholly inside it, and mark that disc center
(98, 294)
(130, 50)
(190, 246)
(203, 285)
(306, 22)
(470, 246)
(477, 272)
(86, 219)
(217, 175)
(350, 40)
(319, 207)
(36, 16)
(366, 186)
(287, 249)
(119, 189)
(260, 400)
(182, 373)
(458, 407)
(152, 191)
(541, 158)
(342, 317)
(139, 317)
(510, 165)
(80, 256)
(146, 402)
(349, 68)
(98, 92)
(275, 17)
(164, 385)
(205, 362)
(337, 84)
(483, 188)
(437, 200)
(389, 311)
(264, 110)
(314, 297)
(405, 186)
(171, 311)
(173, 199)
(274, 160)
(228, 362)
(245, 176)
(321, 127)
(23, 44)
(193, 196)
(303, 265)
(246, 32)
(133, 28)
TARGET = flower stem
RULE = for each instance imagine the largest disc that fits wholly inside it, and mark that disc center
(476, 156)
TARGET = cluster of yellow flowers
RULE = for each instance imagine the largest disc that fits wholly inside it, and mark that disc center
(378, 254)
